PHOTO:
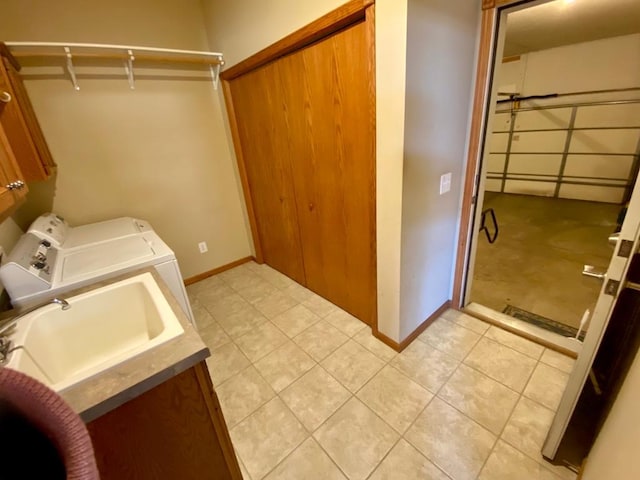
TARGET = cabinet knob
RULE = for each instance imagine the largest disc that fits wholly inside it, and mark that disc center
(311, 207)
(17, 185)
(5, 97)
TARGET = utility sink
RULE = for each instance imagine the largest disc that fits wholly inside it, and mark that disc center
(103, 328)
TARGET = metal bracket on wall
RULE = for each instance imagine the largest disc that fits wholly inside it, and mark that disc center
(71, 69)
(128, 68)
(215, 74)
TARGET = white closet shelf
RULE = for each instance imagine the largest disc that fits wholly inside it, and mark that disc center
(127, 53)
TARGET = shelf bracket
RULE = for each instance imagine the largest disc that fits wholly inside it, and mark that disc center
(128, 68)
(215, 74)
(71, 69)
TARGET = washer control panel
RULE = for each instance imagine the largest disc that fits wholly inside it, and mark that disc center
(30, 266)
(51, 227)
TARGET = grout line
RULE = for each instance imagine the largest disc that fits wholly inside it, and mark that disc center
(375, 374)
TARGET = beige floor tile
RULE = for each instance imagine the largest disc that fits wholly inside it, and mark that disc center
(220, 299)
(274, 277)
(395, 398)
(347, 324)
(558, 360)
(315, 397)
(240, 278)
(507, 463)
(243, 471)
(517, 343)
(242, 395)
(225, 362)
(546, 386)
(404, 462)
(501, 363)
(528, 426)
(356, 439)
(308, 461)
(201, 315)
(284, 365)
(365, 338)
(203, 285)
(295, 320)
(298, 292)
(254, 266)
(450, 338)
(352, 365)
(261, 341)
(266, 437)
(213, 335)
(452, 441)
(257, 292)
(244, 320)
(484, 400)
(275, 304)
(319, 305)
(466, 321)
(320, 340)
(424, 364)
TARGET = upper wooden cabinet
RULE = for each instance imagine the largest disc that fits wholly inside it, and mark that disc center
(20, 123)
(12, 185)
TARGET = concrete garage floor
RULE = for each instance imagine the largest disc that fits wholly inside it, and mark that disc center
(536, 262)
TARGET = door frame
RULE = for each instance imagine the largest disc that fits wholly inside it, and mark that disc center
(491, 10)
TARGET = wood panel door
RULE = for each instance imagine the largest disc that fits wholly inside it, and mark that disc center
(263, 130)
(328, 93)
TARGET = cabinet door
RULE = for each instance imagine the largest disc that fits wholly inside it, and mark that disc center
(9, 172)
(328, 89)
(22, 128)
(265, 141)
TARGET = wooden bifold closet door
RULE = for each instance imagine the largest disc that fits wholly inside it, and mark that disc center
(307, 138)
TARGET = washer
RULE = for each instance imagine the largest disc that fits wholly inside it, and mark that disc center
(53, 258)
(57, 230)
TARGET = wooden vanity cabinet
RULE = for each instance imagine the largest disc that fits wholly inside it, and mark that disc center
(20, 124)
(174, 431)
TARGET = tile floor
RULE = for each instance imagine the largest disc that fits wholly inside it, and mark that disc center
(309, 393)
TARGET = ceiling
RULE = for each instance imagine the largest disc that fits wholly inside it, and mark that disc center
(563, 22)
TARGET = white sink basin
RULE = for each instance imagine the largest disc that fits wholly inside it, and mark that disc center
(103, 327)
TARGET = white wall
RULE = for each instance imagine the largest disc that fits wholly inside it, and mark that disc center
(615, 452)
(159, 152)
(391, 71)
(441, 50)
(243, 27)
(612, 63)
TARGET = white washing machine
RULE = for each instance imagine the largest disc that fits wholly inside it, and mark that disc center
(53, 258)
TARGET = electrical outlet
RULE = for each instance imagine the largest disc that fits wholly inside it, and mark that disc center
(203, 247)
(445, 183)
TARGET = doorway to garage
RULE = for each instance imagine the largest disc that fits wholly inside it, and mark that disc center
(560, 159)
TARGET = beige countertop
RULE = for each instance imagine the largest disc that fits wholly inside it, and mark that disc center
(117, 385)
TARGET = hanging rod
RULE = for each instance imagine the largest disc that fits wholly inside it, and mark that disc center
(127, 53)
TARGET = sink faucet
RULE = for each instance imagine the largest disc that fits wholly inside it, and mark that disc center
(8, 324)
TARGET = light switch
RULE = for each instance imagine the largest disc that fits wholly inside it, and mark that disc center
(445, 183)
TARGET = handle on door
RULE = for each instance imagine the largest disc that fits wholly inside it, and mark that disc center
(594, 272)
(17, 185)
(311, 207)
(5, 97)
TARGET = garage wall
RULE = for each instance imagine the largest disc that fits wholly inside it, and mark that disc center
(159, 152)
(594, 156)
